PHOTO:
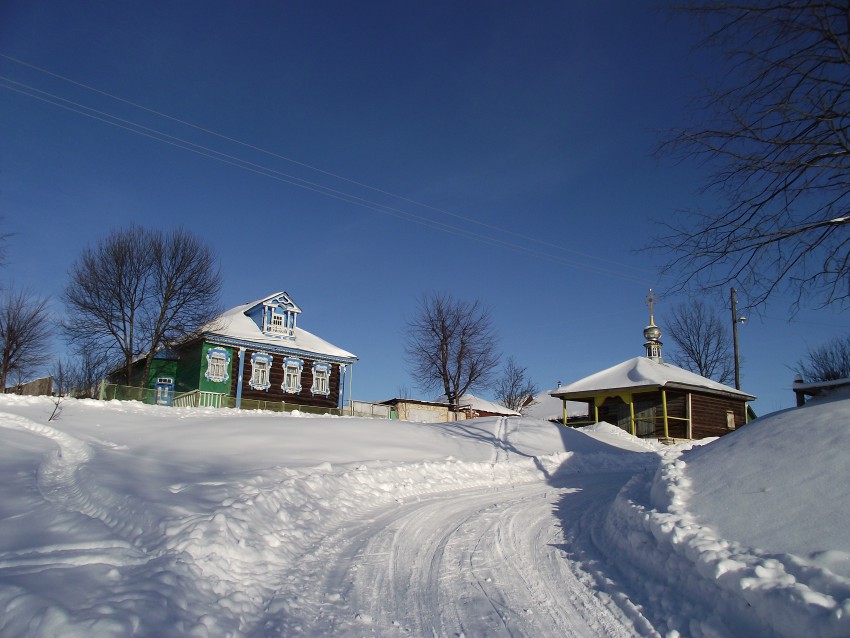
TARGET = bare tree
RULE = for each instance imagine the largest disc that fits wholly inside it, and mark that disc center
(184, 287)
(139, 291)
(451, 343)
(514, 388)
(25, 332)
(106, 295)
(777, 143)
(80, 375)
(702, 342)
(827, 362)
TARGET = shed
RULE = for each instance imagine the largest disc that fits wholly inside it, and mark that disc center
(650, 398)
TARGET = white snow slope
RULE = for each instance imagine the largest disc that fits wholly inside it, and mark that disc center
(127, 520)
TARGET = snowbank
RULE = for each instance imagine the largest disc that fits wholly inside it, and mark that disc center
(752, 527)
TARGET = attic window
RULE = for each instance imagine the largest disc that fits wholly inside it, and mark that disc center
(281, 323)
(260, 366)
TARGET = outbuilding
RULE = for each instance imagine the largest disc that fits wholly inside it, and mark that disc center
(649, 398)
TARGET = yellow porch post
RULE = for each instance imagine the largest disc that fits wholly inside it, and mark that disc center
(595, 411)
(633, 428)
(664, 408)
(565, 410)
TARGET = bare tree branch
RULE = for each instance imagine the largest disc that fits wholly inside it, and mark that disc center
(702, 342)
(25, 332)
(777, 143)
(451, 344)
(138, 291)
(513, 389)
(827, 362)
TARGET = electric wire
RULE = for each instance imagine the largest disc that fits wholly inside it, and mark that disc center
(266, 171)
(296, 181)
(311, 167)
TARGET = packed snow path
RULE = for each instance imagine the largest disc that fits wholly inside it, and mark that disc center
(479, 562)
(482, 562)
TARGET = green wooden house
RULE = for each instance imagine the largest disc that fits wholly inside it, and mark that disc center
(252, 356)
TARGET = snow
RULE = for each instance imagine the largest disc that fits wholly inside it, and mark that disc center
(549, 408)
(481, 405)
(235, 324)
(121, 519)
(641, 372)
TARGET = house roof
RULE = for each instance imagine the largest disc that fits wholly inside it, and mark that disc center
(482, 405)
(819, 387)
(235, 327)
(550, 408)
(398, 400)
(644, 373)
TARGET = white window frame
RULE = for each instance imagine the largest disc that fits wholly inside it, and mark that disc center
(321, 379)
(291, 363)
(217, 357)
(261, 365)
(280, 323)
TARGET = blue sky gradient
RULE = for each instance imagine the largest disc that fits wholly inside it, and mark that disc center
(358, 155)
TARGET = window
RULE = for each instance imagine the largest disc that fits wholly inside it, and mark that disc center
(260, 366)
(277, 322)
(321, 379)
(292, 375)
(280, 323)
(217, 362)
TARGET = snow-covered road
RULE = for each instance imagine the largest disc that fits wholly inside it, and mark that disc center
(515, 560)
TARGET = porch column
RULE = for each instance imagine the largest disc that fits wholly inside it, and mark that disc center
(633, 428)
(239, 378)
(564, 402)
(664, 408)
(350, 383)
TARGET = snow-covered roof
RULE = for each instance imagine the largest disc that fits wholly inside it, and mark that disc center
(482, 405)
(819, 386)
(550, 408)
(642, 372)
(236, 325)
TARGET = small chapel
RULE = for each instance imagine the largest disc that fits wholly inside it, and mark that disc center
(652, 399)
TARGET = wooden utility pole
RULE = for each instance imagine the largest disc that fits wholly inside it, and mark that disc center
(735, 338)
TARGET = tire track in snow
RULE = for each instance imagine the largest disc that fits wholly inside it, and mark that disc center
(471, 563)
(64, 479)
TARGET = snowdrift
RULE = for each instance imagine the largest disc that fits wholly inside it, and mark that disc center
(128, 520)
(751, 528)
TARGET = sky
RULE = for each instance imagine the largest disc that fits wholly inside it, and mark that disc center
(360, 155)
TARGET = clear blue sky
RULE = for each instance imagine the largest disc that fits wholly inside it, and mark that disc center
(518, 135)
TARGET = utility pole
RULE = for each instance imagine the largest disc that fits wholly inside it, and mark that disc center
(735, 320)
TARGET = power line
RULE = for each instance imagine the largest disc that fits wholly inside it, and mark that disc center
(266, 171)
(308, 166)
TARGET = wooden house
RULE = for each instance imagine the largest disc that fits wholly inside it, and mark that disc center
(650, 398)
(254, 355)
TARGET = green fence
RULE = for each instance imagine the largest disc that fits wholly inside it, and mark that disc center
(197, 398)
